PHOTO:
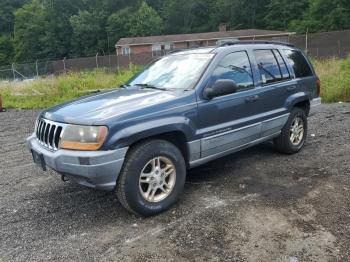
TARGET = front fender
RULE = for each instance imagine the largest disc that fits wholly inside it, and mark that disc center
(131, 134)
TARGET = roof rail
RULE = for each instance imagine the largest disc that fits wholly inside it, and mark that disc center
(252, 42)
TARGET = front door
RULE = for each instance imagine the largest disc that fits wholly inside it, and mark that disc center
(230, 121)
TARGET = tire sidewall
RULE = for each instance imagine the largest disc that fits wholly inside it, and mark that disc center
(132, 191)
(297, 113)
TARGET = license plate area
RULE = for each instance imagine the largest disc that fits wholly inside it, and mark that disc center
(39, 160)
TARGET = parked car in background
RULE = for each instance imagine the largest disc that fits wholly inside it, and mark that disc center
(182, 111)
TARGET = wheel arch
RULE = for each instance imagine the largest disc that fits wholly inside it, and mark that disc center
(300, 100)
(177, 131)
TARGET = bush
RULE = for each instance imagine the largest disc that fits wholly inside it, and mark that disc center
(335, 79)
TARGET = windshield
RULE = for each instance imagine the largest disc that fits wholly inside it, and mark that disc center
(180, 71)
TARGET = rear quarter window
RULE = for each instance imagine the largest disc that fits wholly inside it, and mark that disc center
(298, 62)
(271, 67)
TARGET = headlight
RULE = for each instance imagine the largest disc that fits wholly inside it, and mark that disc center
(83, 137)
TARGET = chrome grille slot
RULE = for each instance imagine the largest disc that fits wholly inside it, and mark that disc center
(48, 133)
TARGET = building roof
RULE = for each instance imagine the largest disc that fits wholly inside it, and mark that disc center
(199, 36)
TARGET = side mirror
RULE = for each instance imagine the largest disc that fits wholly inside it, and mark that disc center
(220, 88)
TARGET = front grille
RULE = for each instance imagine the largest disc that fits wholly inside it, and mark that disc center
(48, 133)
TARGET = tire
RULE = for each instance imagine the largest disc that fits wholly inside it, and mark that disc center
(283, 142)
(145, 168)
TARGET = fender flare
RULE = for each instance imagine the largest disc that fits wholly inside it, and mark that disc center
(296, 98)
(145, 129)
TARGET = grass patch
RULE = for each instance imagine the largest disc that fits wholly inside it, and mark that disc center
(53, 90)
(335, 79)
(50, 91)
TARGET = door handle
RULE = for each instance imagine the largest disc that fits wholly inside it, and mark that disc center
(252, 99)
(291, 88)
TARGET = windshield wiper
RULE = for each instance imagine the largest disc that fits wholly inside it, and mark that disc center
(151, 86)
(266, 71)
(125, 86)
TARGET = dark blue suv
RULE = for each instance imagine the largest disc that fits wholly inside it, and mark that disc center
(183, 110)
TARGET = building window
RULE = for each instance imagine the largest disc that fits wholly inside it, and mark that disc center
(168, 46)
(161, 49)
(126, 50)
(193, 44)
(157, 50)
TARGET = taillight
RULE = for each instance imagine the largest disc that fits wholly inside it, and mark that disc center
(318, 86)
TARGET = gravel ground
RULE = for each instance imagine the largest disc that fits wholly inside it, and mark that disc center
(255, 205)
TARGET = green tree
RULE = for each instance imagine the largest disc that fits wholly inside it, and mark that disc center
(6, 50)
(240, 14)
(7, 17)
(118, 24)
(42, 30)
(7, 9)
(324, 15)
(29, 31)
(281, 12)
(145, 21)
(128, 22)
(185, 16)
(87, 34)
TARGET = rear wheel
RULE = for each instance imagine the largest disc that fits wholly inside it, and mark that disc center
(152, 178)
(293, 134)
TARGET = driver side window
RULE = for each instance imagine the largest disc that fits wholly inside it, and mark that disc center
(236, 67)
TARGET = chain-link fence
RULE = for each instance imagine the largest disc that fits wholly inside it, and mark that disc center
(324, 45)
(43, 68)
(319, 45)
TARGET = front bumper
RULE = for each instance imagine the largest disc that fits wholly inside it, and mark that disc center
(314, 103)
(95, 169)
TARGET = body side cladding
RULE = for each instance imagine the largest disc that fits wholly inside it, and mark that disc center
(206, 159)
(212, 147)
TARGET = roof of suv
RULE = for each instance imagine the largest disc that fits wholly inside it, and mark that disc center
(233, 45)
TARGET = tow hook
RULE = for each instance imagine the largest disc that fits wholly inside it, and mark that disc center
(64, 178)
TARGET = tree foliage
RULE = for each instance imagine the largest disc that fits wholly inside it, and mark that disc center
(47, 29)
(324, 15)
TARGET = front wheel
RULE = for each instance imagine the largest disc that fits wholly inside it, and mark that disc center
(152, 178)
(293, 134)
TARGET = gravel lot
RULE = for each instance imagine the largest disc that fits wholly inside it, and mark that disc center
(255, 205)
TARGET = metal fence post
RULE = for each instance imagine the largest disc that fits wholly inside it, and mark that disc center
(36, 67)
(13, 71)
(118, 69)
(306, 40)
(97, 60)
(64, 65)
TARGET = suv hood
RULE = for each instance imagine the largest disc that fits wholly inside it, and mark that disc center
(98, 107)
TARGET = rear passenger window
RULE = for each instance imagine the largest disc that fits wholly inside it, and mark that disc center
(282, 65)
(269, 68)
(298, 62)
(235, 66)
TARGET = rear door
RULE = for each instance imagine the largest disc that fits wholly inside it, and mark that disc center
(275, 86)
